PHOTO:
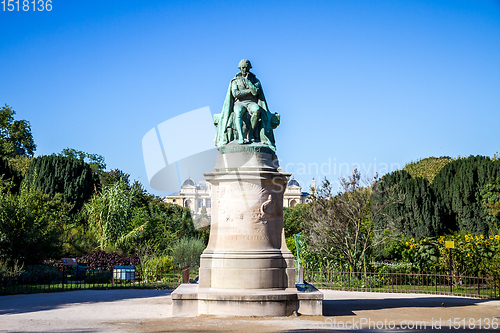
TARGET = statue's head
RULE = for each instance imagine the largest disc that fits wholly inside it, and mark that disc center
(244, 66)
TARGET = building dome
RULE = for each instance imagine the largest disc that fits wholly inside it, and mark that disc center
(187, 182)
(293, 182)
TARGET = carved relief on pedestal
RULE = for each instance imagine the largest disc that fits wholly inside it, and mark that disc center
(242, 200)
(268, 207)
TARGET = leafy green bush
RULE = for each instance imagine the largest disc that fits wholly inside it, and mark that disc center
(187, 251)
(396, 267)
(162, 263)
(41, 274)
(14, 270)
(294, 219)
(471, 255)
(31, 225)
(98, 277)
(155, 267)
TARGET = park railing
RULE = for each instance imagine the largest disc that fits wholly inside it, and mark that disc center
(428, 283)
(91, 279)
(440, 284)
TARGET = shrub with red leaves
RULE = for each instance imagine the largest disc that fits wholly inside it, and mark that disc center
(104, 260)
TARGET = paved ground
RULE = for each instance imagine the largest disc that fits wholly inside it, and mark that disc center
(151, 311)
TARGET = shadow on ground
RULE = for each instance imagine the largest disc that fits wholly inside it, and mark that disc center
(397, 328)
(49, 301)
(76, 330)
(345, 307)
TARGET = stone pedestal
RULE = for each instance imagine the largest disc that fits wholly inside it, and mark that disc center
(246, 268)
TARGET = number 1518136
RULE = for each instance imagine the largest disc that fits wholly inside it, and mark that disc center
(26, 5)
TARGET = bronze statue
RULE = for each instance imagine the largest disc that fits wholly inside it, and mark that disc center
(245, 116)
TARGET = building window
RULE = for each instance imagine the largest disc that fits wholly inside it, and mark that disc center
(200, 203)
(209, 203)
(173, 201)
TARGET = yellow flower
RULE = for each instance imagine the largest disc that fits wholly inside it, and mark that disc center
(412, 240)
(497, 237)
(407, 243)
(477, 237)
(491, 237)
(452, 236)
(482, 237)
(479, 243)
(486, 243)
(468, 254)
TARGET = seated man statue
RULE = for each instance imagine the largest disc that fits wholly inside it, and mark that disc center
(245, 115)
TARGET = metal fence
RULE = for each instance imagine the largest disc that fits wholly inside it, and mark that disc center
(440, 284)
(90, 279)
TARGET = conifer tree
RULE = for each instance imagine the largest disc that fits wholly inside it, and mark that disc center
(458, 186)
(72, 178)
(420, 214)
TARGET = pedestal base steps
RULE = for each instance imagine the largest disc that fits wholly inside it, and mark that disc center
(191, 300)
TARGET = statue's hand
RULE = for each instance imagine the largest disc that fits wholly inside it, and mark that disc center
(240, 93)
(253, 89)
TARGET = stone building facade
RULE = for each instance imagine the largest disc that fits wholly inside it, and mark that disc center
(196, 196)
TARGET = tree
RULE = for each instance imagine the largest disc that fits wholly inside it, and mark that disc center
(187, 251)
(490, 199)
(15, 135)
(294, 219)
(427, 168)
(31, 225)
(95, 161)
(110, 177)
(109, 214)
(420, 214)
(159, 223)
(458, 186)
(20, 163)
(9, 176)
(341, 225)
(72, 178)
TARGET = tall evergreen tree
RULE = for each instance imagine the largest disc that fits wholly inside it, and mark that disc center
(71, 177)
(419, 214)
(458, 185)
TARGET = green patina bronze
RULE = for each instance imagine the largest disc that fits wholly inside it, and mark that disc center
(245, 116)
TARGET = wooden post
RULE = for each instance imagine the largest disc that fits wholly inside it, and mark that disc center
(185, 274)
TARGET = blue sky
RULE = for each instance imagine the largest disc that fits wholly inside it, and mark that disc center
(374, 84)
